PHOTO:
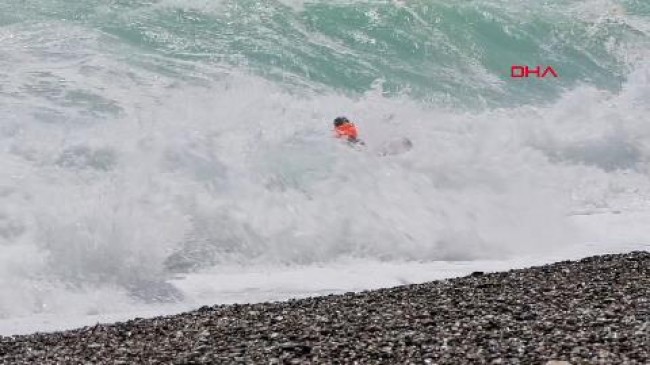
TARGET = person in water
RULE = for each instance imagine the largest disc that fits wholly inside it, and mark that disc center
(345, 129)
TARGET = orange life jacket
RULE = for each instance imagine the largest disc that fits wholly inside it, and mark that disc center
(346, 130)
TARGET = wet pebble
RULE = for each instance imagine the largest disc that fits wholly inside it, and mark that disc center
(594, 310)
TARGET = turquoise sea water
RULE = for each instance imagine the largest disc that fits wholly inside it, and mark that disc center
(146, 139)
(442, 51)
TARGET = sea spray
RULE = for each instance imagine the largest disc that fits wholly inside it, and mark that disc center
(144, 140)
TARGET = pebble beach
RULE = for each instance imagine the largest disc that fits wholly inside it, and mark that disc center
(595, 310)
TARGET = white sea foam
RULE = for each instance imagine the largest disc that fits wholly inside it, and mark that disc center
(124, 187)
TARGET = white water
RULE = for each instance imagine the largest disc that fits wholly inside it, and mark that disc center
(607, 233)
(125, 195)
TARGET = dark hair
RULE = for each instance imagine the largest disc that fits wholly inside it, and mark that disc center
(340, 121)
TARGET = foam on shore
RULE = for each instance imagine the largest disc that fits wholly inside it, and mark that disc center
(593, 310)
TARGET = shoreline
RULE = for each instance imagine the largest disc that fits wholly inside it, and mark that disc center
(594, 310)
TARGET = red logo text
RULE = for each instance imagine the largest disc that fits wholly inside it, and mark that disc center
(517, 71)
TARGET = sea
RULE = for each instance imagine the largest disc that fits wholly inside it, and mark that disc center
(161, 155)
